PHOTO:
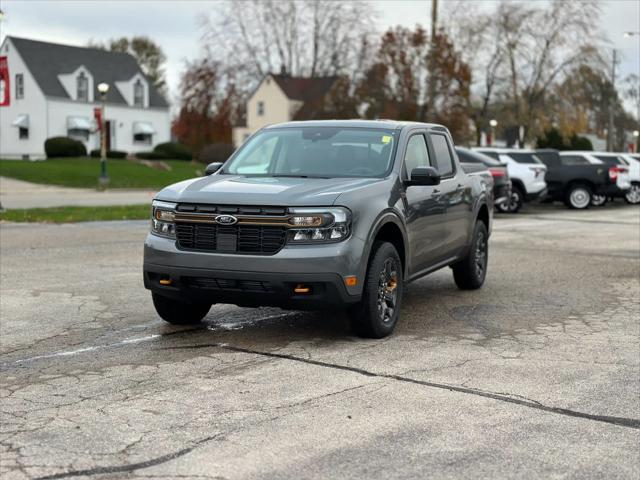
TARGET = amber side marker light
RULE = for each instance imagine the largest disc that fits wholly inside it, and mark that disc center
(301, 289)
(351, 281)
(165, 281)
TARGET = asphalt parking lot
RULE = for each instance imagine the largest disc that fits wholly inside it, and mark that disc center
(537, 375)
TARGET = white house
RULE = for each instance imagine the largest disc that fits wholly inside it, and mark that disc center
(49, 90)
(281, 98)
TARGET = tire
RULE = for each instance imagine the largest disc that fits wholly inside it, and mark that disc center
(179, 313)
(633, 195)
(470, 272)
(578, 196)
(515, 203)
(377, 313)
(598, 200)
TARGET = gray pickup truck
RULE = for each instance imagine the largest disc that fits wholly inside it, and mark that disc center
(320, 215)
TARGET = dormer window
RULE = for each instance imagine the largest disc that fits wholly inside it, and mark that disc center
(82, 83)
(138, 94)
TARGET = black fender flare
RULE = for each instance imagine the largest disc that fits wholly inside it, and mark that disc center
(387, 216)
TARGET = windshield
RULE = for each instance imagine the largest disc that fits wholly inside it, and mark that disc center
(315, 152)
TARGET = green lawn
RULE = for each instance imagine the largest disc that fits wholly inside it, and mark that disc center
(84, 172)
(77, 214)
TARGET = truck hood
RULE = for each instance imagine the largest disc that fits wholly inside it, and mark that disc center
(276, 191)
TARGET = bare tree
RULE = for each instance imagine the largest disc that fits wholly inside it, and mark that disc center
(317, 38)
(541, 44)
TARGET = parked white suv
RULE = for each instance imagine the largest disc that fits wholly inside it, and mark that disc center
(526, 171)
(623, 175)
(633, 160)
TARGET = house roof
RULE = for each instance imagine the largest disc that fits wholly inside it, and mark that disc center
(304, 88)
(48, 60)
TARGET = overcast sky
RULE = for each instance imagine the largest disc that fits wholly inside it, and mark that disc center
(174, 24)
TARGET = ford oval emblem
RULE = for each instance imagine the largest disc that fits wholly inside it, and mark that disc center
(226, 219)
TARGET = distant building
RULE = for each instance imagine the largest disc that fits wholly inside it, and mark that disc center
(49, 90)
(281, 98)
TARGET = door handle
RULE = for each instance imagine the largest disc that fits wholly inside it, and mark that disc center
(435, 190)
(460, 185)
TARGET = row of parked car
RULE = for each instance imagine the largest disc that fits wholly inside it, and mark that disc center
(579, 179)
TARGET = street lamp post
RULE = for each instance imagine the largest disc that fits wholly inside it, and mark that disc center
(103, 88)
(493, 123)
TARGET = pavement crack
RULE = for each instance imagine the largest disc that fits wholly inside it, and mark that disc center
(502, 397)
(131, 466)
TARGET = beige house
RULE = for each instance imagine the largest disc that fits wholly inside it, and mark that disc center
(281, 98)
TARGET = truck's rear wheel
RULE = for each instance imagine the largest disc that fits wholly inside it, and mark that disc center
(470, 272)
(376, 315)
(514, 203)
(179, 313)
(578, 196)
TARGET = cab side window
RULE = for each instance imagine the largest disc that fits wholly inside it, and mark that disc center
(417, 154)
(444, 160)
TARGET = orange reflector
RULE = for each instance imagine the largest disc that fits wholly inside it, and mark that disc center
(165, 281)
(301, 289)
(351, 281)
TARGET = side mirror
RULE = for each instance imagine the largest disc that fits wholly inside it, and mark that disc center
(212, 168)
(424, 176)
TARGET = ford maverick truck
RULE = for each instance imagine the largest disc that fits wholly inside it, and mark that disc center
(320, 215)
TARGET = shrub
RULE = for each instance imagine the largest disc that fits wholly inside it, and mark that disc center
(173, 150)
(110, 154)
(216, 152)
(580, 143)
(56, 147)
(152, 156)
(552, 138)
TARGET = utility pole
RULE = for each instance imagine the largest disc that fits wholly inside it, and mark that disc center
(612, 98)
(427, 108)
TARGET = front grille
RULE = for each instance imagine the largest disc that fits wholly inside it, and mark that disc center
(265, 240)
(226, 284)
(197, 230)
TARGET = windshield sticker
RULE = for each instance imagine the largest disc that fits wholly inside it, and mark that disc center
(386, 138)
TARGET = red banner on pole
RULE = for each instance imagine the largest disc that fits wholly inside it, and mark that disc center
(97, 114)
(5, 91)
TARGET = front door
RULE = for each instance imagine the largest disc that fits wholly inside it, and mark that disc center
(423, 209)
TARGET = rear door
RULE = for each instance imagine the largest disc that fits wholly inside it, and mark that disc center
(453, 196)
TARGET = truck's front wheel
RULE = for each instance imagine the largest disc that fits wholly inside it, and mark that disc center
(377, 313)
(179, 313)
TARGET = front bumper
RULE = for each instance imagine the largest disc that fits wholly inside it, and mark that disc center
(257, 280)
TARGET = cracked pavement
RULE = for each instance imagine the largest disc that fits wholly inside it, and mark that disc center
(536, 375)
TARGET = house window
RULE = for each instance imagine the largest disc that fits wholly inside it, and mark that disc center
(83, 88)
(78, 134)
(19, 86)
(138, 94)
(260, 109)
(143, 138)
(23, 133)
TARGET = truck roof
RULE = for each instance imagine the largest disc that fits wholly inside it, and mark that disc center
(372, 124)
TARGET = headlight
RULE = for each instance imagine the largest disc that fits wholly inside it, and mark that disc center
(162, 219)
(319, 225)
